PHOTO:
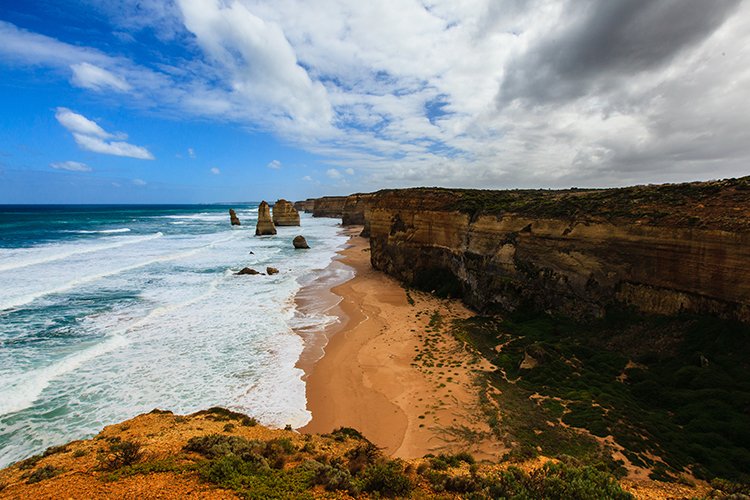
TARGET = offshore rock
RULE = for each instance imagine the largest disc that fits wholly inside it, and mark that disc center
(300, 242)
(284, 214)
(233, 218)
(265, 223)
(272, 270)
(247, 270)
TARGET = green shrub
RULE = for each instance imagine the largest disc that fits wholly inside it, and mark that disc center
(121, 454)
(362, 456)
(385, 478)
(342, 433)
(29, 463)
(332, 477)
(43, 473)
(219, 414)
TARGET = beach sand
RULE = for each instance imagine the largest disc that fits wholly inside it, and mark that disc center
(408, 386)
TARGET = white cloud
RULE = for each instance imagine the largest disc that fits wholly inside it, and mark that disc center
(72, 166)
(333, 173)
(91, 137)
(89, 76)
(191, 152)
(215, 170)
(139, 182)
(307, 178)
(259, 65)
(349, 171)
(274, 164)
(410, 93)
(79, 124)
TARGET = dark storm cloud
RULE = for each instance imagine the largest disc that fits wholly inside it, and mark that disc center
(601, 42)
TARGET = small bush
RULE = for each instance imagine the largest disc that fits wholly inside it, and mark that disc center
(43, 473)
(219, 414)
(331, 477)
(29, 463)
(386, 478)
(342, 433)
(53, 450)
(121, 454)
(362, 456)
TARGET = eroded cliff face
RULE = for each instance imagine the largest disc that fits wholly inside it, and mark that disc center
(284, 214)
(659, 249)
(329, 206)
(306, 206)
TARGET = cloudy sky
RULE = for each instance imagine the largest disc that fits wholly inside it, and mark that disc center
(228, 100)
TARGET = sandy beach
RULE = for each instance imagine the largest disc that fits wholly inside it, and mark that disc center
(392, 371)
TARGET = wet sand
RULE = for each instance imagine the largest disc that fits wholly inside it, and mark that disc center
(370, 378)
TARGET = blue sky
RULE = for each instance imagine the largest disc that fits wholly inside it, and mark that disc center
(117, 101)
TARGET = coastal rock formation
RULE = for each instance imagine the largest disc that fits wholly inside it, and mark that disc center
(233, 217)
(284, 214)
(660, 249)
(300, 242)
(329, 206)
(265, 223)
(248, 270)
(272, 270)
(306, 206)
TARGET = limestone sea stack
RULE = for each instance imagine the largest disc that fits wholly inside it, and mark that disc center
(300, 242)
(284, 214)
(233, 217)
(265, 223)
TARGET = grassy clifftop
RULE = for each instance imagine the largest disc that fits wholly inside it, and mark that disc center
(221, 454)
(723, 204)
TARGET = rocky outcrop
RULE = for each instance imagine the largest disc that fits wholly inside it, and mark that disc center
(265, 223)
(660, 249)
(248, 271)
(300, 242)
(329, 206)
(272, 270)
(355, 211)
(306, 206)
(284, 214)
(233, 219)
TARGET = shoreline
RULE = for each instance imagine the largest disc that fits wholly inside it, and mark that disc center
(368, 377)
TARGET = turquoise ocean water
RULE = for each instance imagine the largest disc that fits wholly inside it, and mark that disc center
(110, 311)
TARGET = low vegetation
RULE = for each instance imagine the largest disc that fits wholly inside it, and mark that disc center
(695, 204)
(676, 402)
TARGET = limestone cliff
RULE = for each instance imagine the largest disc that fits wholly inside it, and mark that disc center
(265, 223)
(284, 214)
(329, 206)
(305, 205)
(661, 249)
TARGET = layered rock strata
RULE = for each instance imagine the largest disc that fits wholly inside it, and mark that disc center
(284, 214)
(659, 249)
(306, 206)
(265, 223)
(329, 206)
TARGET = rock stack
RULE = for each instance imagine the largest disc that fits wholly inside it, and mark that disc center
(300, 242)
(284, 214)
(265, 223)
(233, 217)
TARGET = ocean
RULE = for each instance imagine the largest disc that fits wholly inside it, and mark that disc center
(107, 312)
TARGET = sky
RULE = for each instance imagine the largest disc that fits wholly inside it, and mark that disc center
(202, 101)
